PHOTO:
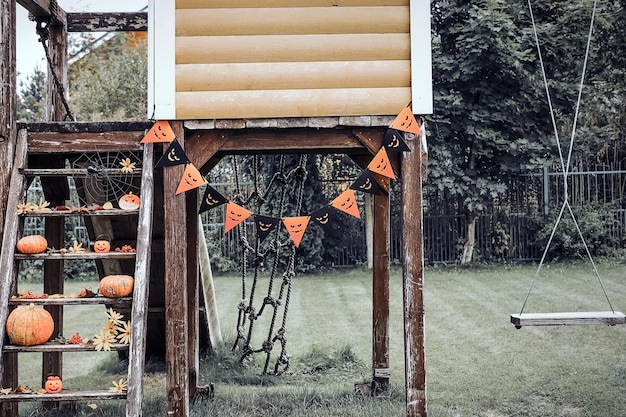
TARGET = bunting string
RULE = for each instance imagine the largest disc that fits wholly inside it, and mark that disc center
(235, 211)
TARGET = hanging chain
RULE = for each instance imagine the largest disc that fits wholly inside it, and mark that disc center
(43, 31)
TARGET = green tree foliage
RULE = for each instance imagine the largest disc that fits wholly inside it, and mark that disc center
(492, 117)
(109, 80)
(31, 100)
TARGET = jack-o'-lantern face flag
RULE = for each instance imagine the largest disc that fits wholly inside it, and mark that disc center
(235, 215)
(264, 225)
(324, 218)
(174, 155)
(160, 132)
(366, 183)
(295, 227)
(211, 199)
(406, 122)
(394, 142)
(346, 202)
(381, 164)
(191, 179)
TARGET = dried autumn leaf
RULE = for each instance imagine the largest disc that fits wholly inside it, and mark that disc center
(107, 206)
(76, 248)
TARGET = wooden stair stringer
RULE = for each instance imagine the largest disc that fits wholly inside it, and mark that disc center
(17, 192)
(139, 312)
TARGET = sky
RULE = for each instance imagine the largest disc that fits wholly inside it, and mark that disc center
(30, 52)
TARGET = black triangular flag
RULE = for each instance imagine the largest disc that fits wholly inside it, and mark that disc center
(366, 183)
(174, 155)
(393, 141)
(264, 225)
(211, 199)
(323, 217)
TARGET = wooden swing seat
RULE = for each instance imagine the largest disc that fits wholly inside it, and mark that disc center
(610, 318)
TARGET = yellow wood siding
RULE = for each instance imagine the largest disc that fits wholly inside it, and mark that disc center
(277, 58)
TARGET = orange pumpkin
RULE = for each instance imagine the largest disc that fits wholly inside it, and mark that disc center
(129, 201)
(101, 245)
(115, 286)
(32, 244)
(29, 325)
(53, 384)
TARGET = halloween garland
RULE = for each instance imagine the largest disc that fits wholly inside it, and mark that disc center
(393, 142)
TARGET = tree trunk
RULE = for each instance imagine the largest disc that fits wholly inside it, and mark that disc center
(468, 248)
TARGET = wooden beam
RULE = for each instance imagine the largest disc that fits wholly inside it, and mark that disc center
(413, 278)
(107, 22)
(204, 144)
(380, 297)
(45, 8)
(176, 307)
(8, 100)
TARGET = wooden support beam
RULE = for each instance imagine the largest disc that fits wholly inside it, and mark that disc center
(45, 8)
(380, 297)
(107, 22)
(176, 306)
(413, 278)
(8, 99)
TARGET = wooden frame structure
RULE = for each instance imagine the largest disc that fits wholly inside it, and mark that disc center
(205, 143)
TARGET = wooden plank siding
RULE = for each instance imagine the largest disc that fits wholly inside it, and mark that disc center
(280, 58)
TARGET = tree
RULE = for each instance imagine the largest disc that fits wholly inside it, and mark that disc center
(487, 123)
(109, 80)
(31, 100)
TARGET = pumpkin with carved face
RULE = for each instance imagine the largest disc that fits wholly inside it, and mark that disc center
(129, 201)
(53, 384)
(101, 246)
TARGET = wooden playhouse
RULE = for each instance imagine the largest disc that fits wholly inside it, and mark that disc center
(230, 77)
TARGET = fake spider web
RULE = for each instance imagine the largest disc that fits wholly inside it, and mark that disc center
(102, 178)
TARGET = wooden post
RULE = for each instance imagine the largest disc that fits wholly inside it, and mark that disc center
(176, 308)
(8, 100)
(56, 190)
(380, 296)
(413, 278)
(193, 290)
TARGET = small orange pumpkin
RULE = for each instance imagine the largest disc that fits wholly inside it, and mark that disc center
(115, 286)
(32, 244)
(29, 325)
(53, 384)
(101, 245)
(129, 201)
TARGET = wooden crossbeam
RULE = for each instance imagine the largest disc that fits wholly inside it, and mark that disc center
(609, 318)
(45, 8)
(107, 22)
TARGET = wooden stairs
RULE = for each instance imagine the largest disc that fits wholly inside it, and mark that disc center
(44, 146)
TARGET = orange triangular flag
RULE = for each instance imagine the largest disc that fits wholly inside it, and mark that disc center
(406, 122)
(235, 214)
(191, 179)
(295, 227)
(381, 164)
(160, 132)
(346, 202)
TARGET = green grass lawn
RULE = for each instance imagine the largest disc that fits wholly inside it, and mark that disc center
(477, 363)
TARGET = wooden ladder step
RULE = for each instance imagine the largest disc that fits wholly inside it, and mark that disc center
(66, 213)
(65, 395)
(609, 318)
(58, 256)
(77, 172)
(59, 347)
(122, 302)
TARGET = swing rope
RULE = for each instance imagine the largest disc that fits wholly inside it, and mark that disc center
(565, 166)
(248, 314)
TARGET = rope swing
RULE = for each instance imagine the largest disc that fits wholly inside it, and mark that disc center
(611, 317)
